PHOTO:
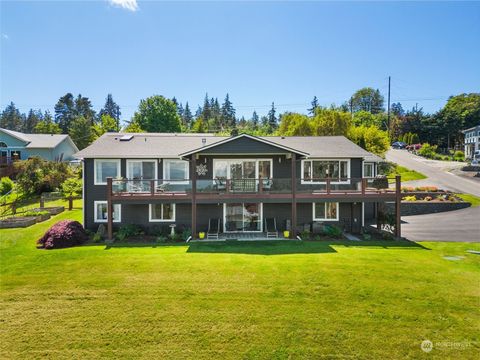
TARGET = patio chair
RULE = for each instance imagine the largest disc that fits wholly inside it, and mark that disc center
(267, 184)
(213, 228)
(162, 187)
(271, 227)
(220, 184)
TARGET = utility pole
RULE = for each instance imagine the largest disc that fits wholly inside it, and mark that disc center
(388, 106)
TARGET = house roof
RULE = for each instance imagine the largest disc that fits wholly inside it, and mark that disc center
(470, 129)
(35, 141)
(173, 145)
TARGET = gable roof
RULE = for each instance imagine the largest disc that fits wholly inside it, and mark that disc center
(173, 145)
(44, 141)
(264, 140)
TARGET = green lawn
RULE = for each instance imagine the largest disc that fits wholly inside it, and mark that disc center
(239, 300)
(474, 200)
(406, 174)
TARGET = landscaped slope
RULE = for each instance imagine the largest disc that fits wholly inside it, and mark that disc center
(304, 300)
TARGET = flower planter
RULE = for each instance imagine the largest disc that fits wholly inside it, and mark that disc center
(42, 217)
(286, 234)
(201, 235)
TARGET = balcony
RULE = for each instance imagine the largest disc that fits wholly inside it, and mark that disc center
(276, 188)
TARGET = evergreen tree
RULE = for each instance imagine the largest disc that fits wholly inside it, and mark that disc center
(264, 121)
(397, 109)
(314, 107)
(47, 126)
(65, 112)
(81, 132)
(11, 118)
(254, 120)
(242, 122)
(111, 109)
(106, 124)
(33, 118)
(199, 112)
(180, 111)
(206, 110)
(272, 119)
(187, 116)
(83, 107)
(228, 113)
(367, 99)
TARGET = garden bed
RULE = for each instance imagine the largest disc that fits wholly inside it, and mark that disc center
(421, 207)
(18, 222)
(53, 210)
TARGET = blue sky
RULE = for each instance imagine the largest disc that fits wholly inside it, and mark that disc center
(259, 52)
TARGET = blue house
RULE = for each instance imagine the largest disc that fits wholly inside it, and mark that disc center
(15, 145)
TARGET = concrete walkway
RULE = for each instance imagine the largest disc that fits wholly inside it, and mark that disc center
(459, 225)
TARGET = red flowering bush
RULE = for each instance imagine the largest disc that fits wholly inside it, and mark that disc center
(63, 234)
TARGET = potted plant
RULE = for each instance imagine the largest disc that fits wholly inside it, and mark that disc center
(286, 234)
(201, 235)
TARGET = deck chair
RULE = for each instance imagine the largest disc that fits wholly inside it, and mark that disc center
(213, 228)
(220, 184)
(162, 187)
(271, 227)
(267, 184)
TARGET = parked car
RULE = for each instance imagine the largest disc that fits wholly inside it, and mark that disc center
(399, 145)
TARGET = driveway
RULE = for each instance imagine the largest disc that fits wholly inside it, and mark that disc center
(459, 225)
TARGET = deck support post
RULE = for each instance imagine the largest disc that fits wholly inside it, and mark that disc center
(398, 202)
(193, 178)
(109, 209)
(294, 197)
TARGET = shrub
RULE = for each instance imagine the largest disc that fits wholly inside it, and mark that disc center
(6, 185)
(459, 156)
(431, 188)
(186, 233)
(428, 151)
(97, 238)
(380, 182)
(410, 198)
(305, 235)
(367, 237)
(407, 188)
(161, 239)
(333, 231)
(72, 187)
(127, 231)
(63, 234)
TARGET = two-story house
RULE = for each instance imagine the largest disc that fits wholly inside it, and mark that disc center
(188, 179)
(472, 142)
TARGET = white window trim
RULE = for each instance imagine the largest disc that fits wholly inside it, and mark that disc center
(320, 219)
(150, 212)
(119, 167)
(155, 161)
(245, 159)
(303, 181)
(373, 168)
(95, 209)
(176, 182)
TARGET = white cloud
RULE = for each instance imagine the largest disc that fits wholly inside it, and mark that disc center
(5, 36)
(130, 5)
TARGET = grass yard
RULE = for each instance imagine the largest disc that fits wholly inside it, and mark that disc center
(474, 200)
(238, 300)
(406, 174)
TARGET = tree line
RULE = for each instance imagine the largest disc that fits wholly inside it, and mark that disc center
(362, 118)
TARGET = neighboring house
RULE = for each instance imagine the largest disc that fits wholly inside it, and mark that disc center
(15, 145)
(472, 141)
(186, 179)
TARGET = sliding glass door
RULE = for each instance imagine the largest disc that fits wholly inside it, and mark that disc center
(242, 217)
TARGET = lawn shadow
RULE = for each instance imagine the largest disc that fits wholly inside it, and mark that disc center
(294, 247)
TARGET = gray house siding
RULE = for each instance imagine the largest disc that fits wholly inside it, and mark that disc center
(244, 145)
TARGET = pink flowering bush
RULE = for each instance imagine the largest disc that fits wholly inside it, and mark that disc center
(63, 234)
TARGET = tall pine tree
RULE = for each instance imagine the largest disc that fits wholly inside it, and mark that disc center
(33, 118)
(83, 107)
(65, 112)
(187, 116)
(111, 109)
(314, 107)
(228, 113)
(11, 118)
(272, 119)
(255, 120)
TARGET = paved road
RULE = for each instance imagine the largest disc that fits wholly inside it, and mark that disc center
(436, 174)
(459, 225)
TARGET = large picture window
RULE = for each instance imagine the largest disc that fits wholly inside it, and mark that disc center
(104, 168)
(325, 211)
(142, 169)
(176, 170)
(101, 212)
(242, 168)
(161, 212)
(317, 171)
